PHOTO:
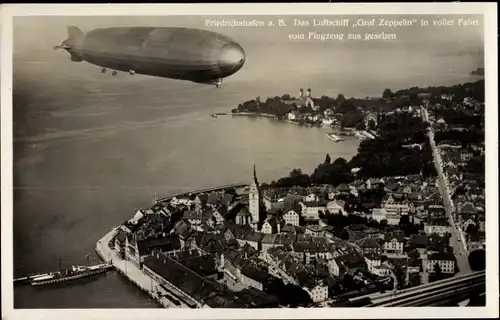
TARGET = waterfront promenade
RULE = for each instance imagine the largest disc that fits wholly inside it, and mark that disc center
(457, 237)
(133, 273)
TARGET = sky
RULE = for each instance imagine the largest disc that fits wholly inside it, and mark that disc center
(45, 31)
(423, 56)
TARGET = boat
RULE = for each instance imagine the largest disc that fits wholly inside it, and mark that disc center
(333, 137)
(68, 274)
(213, 115)
(359, 136)
(327, 122)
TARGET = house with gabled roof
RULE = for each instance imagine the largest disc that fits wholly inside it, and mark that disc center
(394, 243)
(272, 225)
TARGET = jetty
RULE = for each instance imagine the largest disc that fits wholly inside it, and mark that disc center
(156, 290)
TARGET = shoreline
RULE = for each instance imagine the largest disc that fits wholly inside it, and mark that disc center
(134, 274)
(131, 272)
(265, 115)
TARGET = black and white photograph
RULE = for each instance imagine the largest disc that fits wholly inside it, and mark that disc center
(307, 161)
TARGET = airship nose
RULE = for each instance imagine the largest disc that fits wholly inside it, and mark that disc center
(231, 58)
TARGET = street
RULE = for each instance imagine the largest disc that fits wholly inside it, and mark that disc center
(457, 241)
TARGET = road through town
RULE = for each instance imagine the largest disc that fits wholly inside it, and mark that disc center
(457, 238)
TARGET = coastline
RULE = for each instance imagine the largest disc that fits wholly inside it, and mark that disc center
(265, 115)
(134, 274)
(131, 271)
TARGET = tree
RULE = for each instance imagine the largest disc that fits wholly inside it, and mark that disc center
(340, 98)
(361, 126)
(438, 273)
(477, 260)
(328, 160)
(372, 125)
(476, 165)
(415, 100)
(289, 294)
(387, 93)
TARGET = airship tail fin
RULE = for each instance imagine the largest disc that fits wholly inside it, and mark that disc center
(75, 36)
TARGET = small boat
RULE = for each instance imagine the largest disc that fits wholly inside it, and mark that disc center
(213, 115)
(333, 137)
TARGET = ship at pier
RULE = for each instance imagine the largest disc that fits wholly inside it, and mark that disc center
(69, 274)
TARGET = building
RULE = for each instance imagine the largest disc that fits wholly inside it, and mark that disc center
(311, 210)
(197, 291)
(394, 243)
(272, 225)
(336, 207)
(305, 252)
(292, 217)
(317, 292)
(379, 214)
(373, 262)
(273, 200)
(254, 200)
(349, 262)
(446, 262)
(370, 245)
(243, 217)
(438, 226)
(394, 204)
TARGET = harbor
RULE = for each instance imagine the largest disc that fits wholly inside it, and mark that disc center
(130, 271)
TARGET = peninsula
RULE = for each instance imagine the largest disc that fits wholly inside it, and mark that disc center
(407, 210)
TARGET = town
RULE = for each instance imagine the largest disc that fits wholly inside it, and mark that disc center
(408, 209)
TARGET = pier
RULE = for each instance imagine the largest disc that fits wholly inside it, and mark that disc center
(134, 274)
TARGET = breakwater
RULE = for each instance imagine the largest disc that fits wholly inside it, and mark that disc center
(212, 189)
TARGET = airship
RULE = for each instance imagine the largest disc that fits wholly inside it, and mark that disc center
(195, 55)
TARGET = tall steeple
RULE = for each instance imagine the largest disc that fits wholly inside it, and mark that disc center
(254, 199)
(255, 176)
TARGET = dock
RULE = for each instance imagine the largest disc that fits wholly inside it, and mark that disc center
(135, 275)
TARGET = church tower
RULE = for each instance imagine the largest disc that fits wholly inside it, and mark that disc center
(254, 199)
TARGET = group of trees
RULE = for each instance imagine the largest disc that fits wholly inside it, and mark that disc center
(476, 165)
(465, 138)
(477, 260)
(408, 226)
(332, 173)
(474, 90)
(340, 222)
(288, 294)
(274, 106)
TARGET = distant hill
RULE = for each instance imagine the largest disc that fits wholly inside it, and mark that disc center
(478, 72)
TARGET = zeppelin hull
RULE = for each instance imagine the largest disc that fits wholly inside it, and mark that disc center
(178, 53)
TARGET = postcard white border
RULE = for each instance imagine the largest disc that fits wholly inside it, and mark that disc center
(489, 10)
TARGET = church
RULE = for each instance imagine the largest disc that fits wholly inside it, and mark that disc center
(251, 216)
